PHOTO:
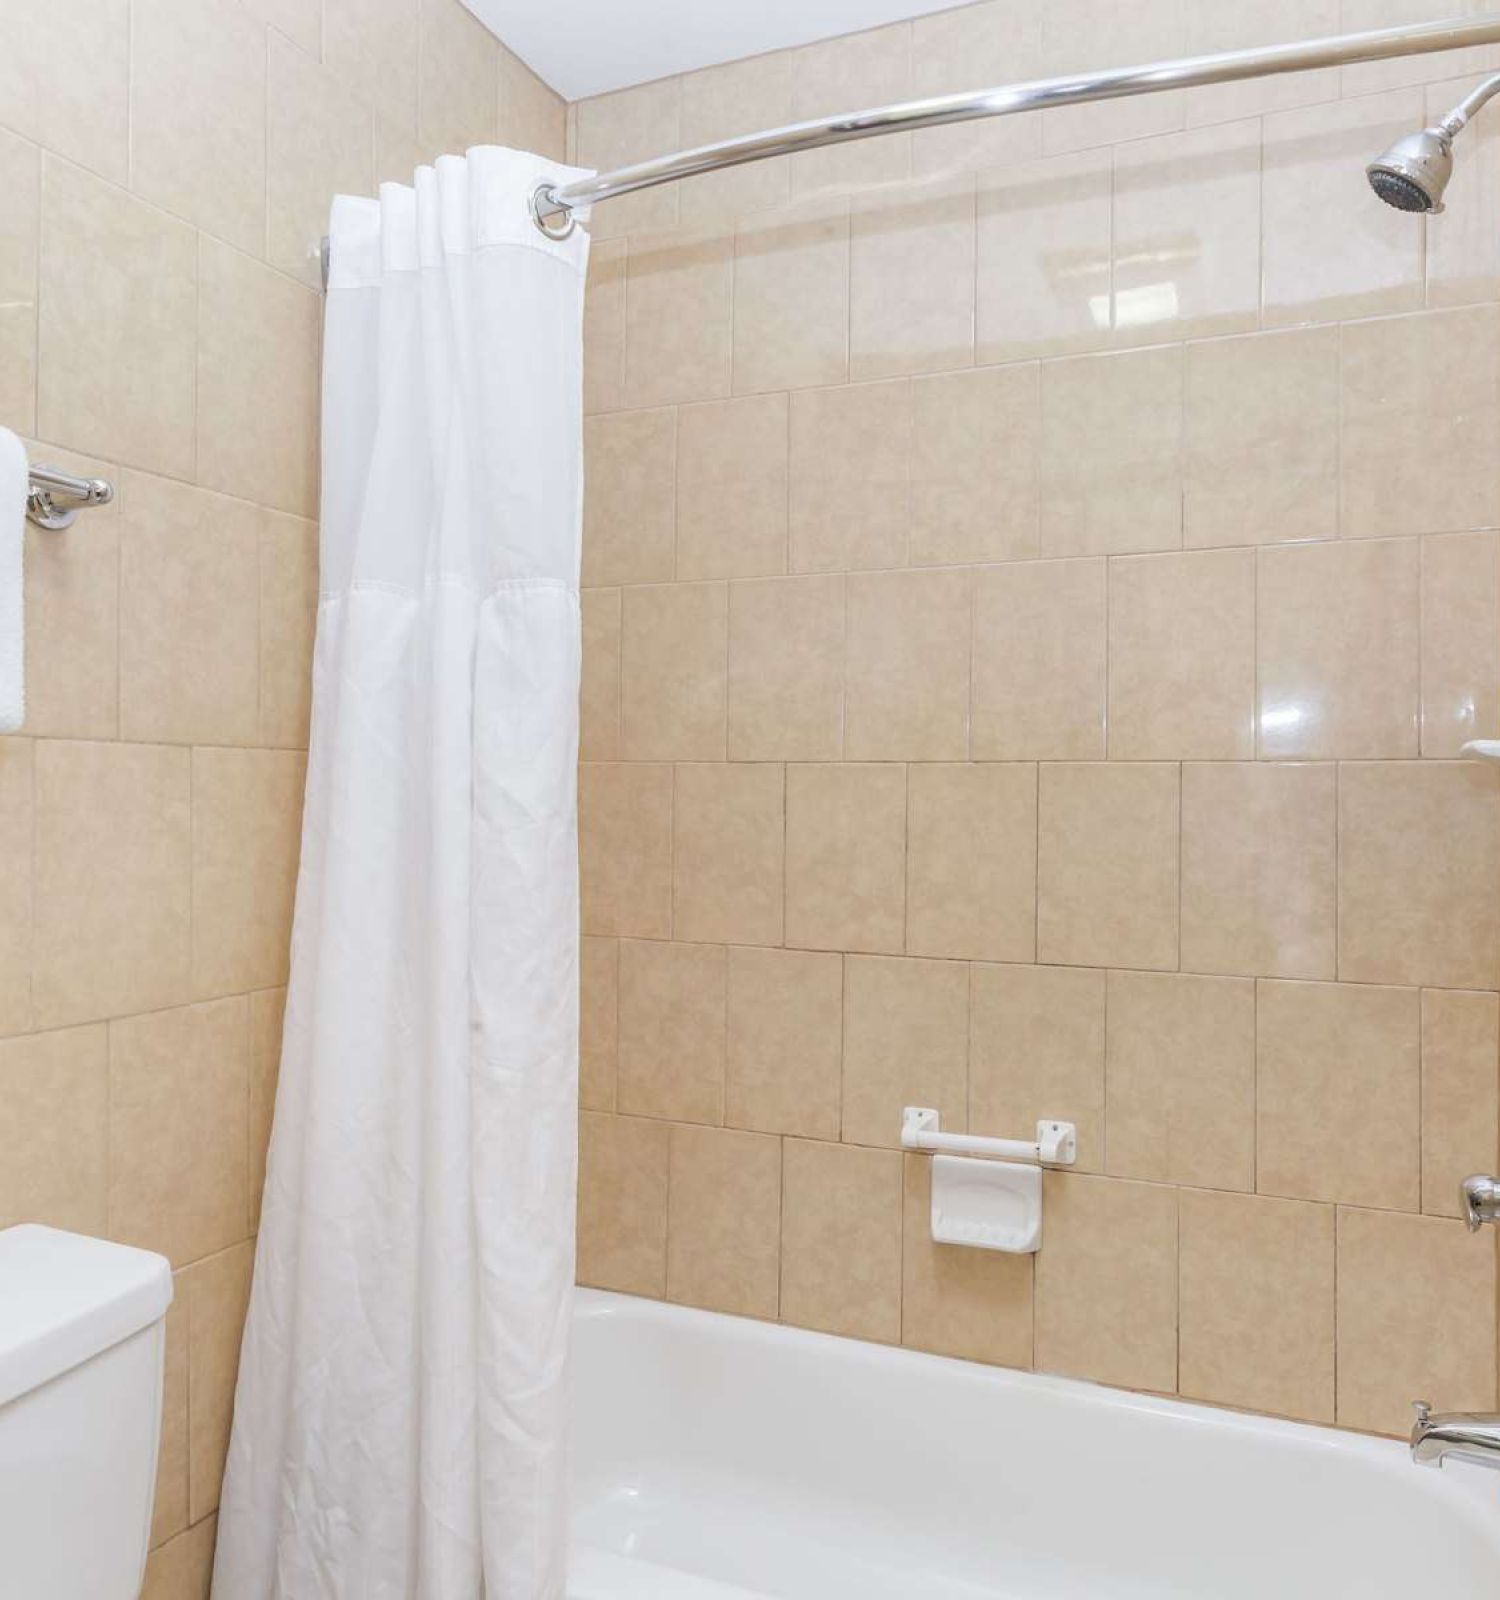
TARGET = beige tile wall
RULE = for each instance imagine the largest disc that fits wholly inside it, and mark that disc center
(159, 321)
(1040, 576)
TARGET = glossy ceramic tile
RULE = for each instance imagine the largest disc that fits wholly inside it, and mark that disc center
(1342, 1056)
(841, 1239)
(850, 477)
(217, 1292)
(178, 1132)
(1039, 661)
(1036, 1053)
(21, 175)
(625, 849)
(732, 488)
(189, 614)
(1416, 1317)
(1337, 646)
(1107, 865)
(458, 97)
(622, 1203)
(791, 297)
(1433, 378)
(906, 1043)
(729, 830)
(599, 685)
(133, 398)
(198, 115)
(724, 1221)
(1259, 869)
(673, 674)
(912, 280)
(1419, 856)
(16, 872)
(672, 1025)
(616, 130)
(1106, 1281)
(846, 857)
(1327, 252)
(1182, 656)
(1460, 1114)
(1180, 1079)
(974, 468)
(678, 316)
(629, 505)
(1257, 1306)
(975, 1304)
(247, 834)
(112, 919)
(726, 102)
(971, 861)
(598, 1022)
(842, 74)
(1112, 453)
(54, 1124)
(258, 381)
(1460, 641)
(1044, 241)
(907, 655)
(785, 1041)
(786, 669)
(1262, 438)
(1187, 234)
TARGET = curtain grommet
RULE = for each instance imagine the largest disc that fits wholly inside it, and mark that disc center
(560, 224)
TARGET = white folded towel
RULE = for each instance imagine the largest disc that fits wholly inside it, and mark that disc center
(14, 482)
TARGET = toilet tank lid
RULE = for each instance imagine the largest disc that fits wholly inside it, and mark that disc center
(65, 1298)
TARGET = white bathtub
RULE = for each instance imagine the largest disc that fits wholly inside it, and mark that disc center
(721, 1459)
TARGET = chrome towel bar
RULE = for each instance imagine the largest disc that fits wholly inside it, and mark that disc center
(55, 498)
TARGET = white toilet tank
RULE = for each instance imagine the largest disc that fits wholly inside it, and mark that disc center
(81, 1346)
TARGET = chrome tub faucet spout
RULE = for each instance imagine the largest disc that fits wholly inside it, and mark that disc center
(1463, 1435)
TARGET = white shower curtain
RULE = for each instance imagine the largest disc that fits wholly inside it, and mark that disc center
(399, 1420)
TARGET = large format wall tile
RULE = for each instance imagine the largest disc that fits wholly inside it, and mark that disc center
(1257, 1303)
(672, 1030)
(198, 115)
(1108, 864)
(1106, 1282)
(179, 1091)
(17, 865)
(258, 381)
(905, 1044)
(20, 225)
(1345, 1057)
(841, 1239)
(54, 1126)
(846, 857)
(112, 920)
(119, 284)
(724, 1221)
(786, 1042)
(189, 614)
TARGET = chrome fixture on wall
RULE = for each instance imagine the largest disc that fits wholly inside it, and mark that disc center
(551, 206)
(55, 498)
(1414, 172)
(1464, 1435)
(1479, 1201)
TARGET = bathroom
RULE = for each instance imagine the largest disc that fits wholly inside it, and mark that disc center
(842, 797)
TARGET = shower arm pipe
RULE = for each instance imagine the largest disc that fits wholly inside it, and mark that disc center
(1474, 101)
(552, 205)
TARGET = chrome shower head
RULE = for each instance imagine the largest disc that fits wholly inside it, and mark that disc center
(1413, 173)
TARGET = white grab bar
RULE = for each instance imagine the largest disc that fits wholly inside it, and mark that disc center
(1055, 1145)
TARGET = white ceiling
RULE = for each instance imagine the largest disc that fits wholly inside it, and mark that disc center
(584, 47)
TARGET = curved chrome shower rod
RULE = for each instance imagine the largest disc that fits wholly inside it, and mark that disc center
(552, 207)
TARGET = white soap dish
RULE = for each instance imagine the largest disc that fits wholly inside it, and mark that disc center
(1482, 750)
(991, 1205)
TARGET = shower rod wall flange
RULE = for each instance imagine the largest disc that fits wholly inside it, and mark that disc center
(548, 204)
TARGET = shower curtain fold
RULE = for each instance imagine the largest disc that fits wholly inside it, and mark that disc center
(399, 1417)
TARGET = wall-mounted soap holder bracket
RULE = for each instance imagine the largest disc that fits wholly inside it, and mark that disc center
(994, 1202)
(1055, 1145)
